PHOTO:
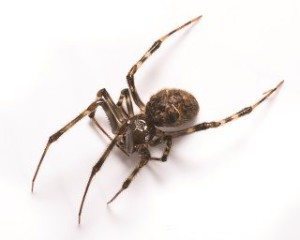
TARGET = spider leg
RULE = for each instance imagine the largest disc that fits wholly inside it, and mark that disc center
(145, 157)
(60, 132)
(99, 164)
(125, 95)
(115, 112)
(115, 116)
(97, 124)
(152, 49)
(214, 124)
(168, 141)
(116, 108)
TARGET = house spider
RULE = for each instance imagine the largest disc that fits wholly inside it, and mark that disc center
(137, 132)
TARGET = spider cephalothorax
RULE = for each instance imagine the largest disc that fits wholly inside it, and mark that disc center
(136, 133)
(172, 108)
(139, 131)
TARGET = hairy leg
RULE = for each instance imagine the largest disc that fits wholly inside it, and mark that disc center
(125, 96)
(152, 49)
(126, 113)
(168, 144)
(215, 124)
(115, 116)
(54, 137)
(99, 164)
(145, 157)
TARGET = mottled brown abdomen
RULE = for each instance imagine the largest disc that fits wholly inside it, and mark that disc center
(171, 108)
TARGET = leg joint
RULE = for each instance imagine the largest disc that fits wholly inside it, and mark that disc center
(101, 92)
(207, 125)
(155, 46)
(131, 72)
(55, 136)
(125, 91)
(126, 183)
(245, 111)
(96, 168)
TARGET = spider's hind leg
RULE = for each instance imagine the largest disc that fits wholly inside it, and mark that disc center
(214, 124)
(152, 49)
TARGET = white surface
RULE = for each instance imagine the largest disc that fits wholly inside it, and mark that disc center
(240, 181)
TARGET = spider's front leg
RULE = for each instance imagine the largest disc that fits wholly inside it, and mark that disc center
(145, 157)
(99, 164)
(115, 115)
(54, 137)
(118, 113)
(152, 49)
(215, 124)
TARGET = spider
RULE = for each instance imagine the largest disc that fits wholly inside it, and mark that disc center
(135, 133)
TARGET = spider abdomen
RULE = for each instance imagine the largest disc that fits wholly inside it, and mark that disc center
(172, 108)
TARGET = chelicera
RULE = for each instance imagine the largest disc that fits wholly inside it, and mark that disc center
(137, 132)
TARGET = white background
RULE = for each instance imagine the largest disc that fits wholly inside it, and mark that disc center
(240, 181)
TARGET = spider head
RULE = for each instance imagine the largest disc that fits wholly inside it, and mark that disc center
(171, 108)
(140, 131)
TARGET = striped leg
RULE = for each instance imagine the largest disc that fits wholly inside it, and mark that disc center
(60, 132)
(99, 164)
(168, 142)
(115, 116)
(145, 157)
(207, 125)
(107, 135)
(125, 95)
(152, 49)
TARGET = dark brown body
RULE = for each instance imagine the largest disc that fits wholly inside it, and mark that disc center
(172, 108)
